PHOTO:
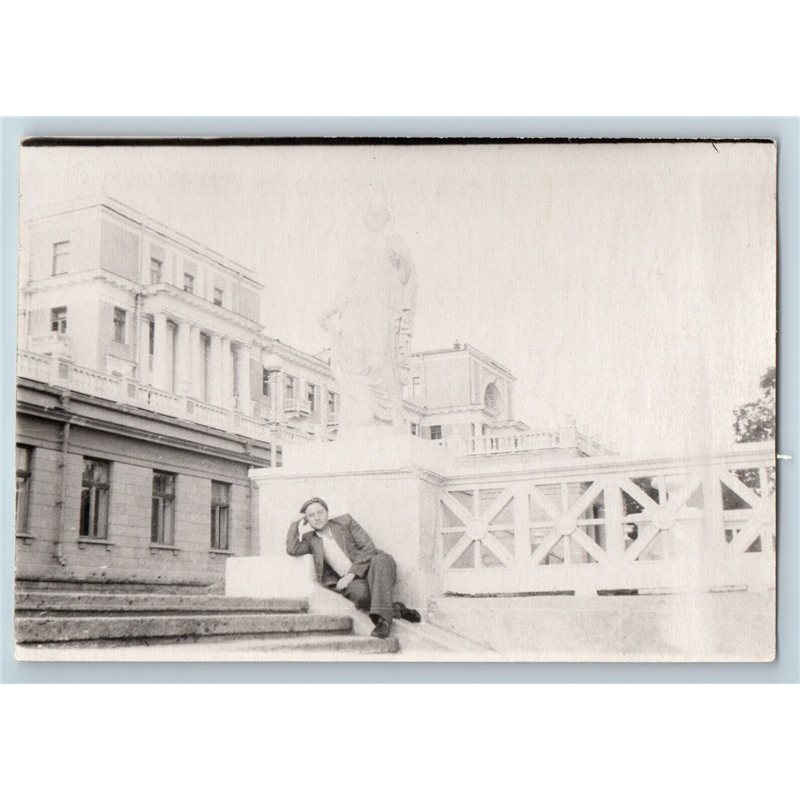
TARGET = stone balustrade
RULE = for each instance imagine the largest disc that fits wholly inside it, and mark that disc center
(504, 443)
(63, 373)
(296, 406)
(492, 444)
(34, 366)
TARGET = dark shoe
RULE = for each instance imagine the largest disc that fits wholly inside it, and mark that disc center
(408, 614)
(381, 630)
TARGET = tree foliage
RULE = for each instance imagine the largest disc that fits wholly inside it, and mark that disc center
(755, 421)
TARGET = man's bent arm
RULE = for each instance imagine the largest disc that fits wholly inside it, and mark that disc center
(295, 546)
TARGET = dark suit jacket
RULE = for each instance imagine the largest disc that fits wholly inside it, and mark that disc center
(348, 534)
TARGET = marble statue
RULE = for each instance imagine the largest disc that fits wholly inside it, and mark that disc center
(370, 325)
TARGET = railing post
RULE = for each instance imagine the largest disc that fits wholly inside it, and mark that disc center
(713, 551)
(60, 371)
(568, 433)
(615, 533)
(522, 532)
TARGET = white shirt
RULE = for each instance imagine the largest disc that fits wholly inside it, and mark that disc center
(335, 557)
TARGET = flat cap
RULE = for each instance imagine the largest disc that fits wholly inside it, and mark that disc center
(313, 500)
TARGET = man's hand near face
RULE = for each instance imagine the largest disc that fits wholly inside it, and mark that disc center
(303, 528)
(344, 582)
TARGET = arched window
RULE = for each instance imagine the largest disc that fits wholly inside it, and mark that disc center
(491, 397)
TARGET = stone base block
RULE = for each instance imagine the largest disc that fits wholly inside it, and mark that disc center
(275, 576)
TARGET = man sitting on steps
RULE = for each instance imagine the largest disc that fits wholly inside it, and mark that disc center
(346, 561)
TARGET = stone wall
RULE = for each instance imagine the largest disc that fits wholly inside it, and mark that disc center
(52, 548)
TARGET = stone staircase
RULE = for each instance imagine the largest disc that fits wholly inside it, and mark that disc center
(123, 618)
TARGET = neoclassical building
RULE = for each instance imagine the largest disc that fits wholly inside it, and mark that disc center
(148, 387)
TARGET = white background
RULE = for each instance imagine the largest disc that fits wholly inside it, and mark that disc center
(414, 58)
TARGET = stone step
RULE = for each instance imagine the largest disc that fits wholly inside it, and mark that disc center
(99, 603)
(362, 645)
(308, 647)
(47, 629)
(125, 587)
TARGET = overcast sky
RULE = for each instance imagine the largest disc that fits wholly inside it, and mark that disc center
(630, 285)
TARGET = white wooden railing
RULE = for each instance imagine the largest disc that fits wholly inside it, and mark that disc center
(611, 524)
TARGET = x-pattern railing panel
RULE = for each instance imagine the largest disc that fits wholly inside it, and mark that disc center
(685, 510)
(564, 523)
(477, 527)
(761, 517)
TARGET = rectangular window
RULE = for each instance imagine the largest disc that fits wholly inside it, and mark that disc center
(120, 317)
(436, 431)
(289, 390)
(311, 396)
(266, 382)
(218, 295)
(23, 487)
(151, 344)
(415, 387)
(58, 320)
(331, 402)
(188, 283)
(156, 270)
(414, 429)
(60, 258)
(94, 499)
(220, 511)
(162, 517)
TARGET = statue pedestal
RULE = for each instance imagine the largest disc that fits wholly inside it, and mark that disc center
(387, 480)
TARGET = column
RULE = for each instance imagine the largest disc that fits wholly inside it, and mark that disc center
(214, 375)
(183, 367)
(243, 389)
(226, 373)
(197, 362)
(143, 351)
(323, 407)
(162, 355)
(277, 395)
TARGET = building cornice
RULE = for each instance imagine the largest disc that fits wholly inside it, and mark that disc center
(467, 348)
(195, 301)
(295, 356)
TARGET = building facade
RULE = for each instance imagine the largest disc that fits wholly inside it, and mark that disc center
(147, 388)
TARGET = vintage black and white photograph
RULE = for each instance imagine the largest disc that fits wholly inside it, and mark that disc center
(396, 401)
